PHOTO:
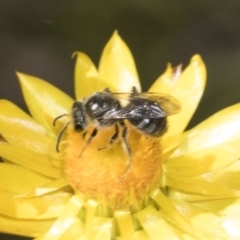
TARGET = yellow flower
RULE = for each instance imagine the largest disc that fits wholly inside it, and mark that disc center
(184, 185)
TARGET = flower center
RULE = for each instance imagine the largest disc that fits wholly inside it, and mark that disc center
(100, 170)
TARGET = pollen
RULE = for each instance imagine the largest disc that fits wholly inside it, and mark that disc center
(100, 171)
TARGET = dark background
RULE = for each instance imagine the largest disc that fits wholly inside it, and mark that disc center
(38, 38)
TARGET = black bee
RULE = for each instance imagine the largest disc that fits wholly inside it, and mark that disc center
(147, 112)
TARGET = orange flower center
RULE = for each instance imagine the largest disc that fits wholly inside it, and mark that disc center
(100, 171)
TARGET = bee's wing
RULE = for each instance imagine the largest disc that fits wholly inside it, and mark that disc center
(166, 105)
(169, 104)
(132, 111)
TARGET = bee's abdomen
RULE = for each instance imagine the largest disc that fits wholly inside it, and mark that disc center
(153, 127)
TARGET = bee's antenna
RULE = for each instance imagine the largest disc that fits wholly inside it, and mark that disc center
(58, 117)
(61, 133)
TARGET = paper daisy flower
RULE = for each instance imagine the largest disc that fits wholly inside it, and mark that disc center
(182, 185)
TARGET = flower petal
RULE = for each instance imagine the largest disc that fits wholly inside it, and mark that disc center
(205, 160)
(221, 128)
(37, 162)
(16, 179)
(168, 209)
(21, 130)
(188, 89)
(223, 225)
(214, 227)
(75, 231)
(44, 207)
(66, 220)
(164, 82)
(101, 229)
(24, 227)
(227, 176)
(154, 225)
(200, 186)
(125, 222)
(231, 226)
(87, 80)
(44, 101)
(117, 66)
(193, 197)
(44, 189)
(218, 206)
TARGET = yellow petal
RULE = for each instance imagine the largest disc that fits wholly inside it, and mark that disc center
(26, 227)
(91, 208)
(221, 128)
(16, 179)
(199, 186)
(232, 210)
(101, 228)
(188, 89)
(218, 206)
(66, 220)
(164, 82)
(211, 226)
(170, 144)
(87, 79)
(222, 225)
(45, 102)
(204, 160)
(228, 176)
(154, 225)
(138, 235)
(44, 189)
(168, 209)
(125, 223)
(34, 161)
(75, 231)
(186, 209)
(117, 65)
(21, 130)
(44, 207)
(193, 197)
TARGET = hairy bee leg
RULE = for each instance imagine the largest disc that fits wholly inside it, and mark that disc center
(113, 138)
(60, 136)
(93, 134)
(126, 147)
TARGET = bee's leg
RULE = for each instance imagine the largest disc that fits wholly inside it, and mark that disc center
(115, 135)
(60, 136)
(133, 91)
(93, 134)
(84, 134)
(126, 147)
(107, 90)
(113, 138)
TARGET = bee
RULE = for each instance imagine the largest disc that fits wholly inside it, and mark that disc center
(147, 112)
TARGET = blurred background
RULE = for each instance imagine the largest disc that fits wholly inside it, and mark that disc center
(38, 37)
